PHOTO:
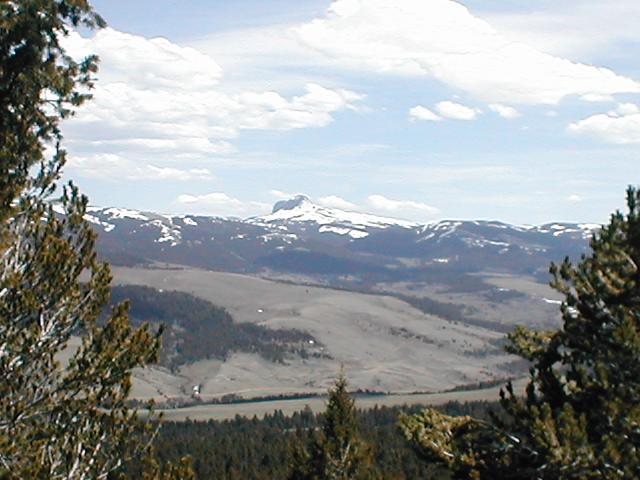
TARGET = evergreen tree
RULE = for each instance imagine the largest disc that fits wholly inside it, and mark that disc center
(580, 417)
(337, 452)
(57, 421)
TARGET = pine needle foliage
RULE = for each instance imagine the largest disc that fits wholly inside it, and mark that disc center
(336, 452)
(580, 416)
(58, 419)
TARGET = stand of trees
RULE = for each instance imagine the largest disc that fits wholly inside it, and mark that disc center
(267, 448)
(195, 329)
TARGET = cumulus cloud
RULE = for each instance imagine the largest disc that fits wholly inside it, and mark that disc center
(422, 113)
(620, 126)
(504, 111)
(146, 63)
(456, 111)
(115, 167)
(570, 28)
(443, 40)
(280, 195)
(159, 101)
(219, 204)
(406, 208)
(333, 201)
(626, 109)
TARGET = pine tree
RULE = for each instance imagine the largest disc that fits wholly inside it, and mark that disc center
(56, 421)
(580, 417)
(337, 452)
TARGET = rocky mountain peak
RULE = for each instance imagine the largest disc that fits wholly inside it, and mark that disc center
(297, 201)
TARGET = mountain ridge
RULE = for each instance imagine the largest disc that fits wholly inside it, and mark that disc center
(300, 209)
(301, 237)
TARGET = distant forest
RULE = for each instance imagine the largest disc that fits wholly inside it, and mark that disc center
(195, 329)
(261, 449)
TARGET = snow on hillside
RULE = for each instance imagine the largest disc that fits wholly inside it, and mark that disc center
(114, 213)
(586, 230)
(441, 229)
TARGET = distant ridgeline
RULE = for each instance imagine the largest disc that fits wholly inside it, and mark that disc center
(195, 329)
(338, 247)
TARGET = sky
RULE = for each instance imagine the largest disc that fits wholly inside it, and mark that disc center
(525, 112)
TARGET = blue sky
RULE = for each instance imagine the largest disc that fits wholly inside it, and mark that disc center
(419, 109)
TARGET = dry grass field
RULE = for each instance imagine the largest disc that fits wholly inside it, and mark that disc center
(383, 343)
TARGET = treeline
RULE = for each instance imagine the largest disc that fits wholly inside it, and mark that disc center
(254, 448)
(195, 329)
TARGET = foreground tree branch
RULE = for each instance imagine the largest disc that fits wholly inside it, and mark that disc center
(57, 421)
(580, 417)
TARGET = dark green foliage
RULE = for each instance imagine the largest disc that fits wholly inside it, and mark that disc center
(453, 312)
(57, 420)
(39, 86)
(449, 311)
(196, 329)
(580, 417)
(262, 449)
(336, 450)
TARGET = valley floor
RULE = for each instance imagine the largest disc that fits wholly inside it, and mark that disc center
(318, 405)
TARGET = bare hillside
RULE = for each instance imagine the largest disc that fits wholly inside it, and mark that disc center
(384, 343)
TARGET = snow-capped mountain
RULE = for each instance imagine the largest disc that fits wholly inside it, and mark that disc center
(304, 238)
(301, 213)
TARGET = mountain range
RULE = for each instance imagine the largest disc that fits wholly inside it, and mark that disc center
(300, 237)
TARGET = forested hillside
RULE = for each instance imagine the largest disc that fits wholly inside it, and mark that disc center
(195, 329)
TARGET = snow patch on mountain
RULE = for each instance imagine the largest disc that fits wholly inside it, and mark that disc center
(189, 221)
(343, 231)
(168, 233)
(107, 227)
(116, 213)
(96, 221)
(585, 230)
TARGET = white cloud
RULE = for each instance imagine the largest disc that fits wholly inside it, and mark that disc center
(443, 40)
(159, 102)
(268, 56)
(280, 195)
(456, 111)
(573, 29)
(620, 126)
(219, 204)
(168, 173)
(574, 198)
(627, 109)
(597, 98)
(115, 167)
(422, 113)
(147, 63)
(406, 208)
(333, 201)
(504, 111)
